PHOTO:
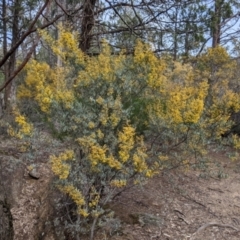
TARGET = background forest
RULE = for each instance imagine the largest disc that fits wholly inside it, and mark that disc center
(129, 88)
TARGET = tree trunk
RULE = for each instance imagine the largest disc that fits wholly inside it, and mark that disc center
(87, 25)
(186, 40)
(4, 22)
(216, 28)
(9, 95)
(175, 37)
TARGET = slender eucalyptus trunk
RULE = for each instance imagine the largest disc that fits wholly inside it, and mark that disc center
(10, 90)
(87, 25)
(4, 22)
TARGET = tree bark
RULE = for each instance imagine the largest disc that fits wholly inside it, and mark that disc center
(216, 29)
(87, 25)
(4, 17)
(10, 65)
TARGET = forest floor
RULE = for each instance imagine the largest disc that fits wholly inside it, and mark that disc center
(181, 205)
(174, 205)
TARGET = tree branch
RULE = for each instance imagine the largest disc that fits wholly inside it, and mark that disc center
(20, 67)
(24, 36)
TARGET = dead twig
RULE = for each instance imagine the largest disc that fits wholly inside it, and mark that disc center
(193, 200)
(181, 216)
(215, 189)
(212, 224)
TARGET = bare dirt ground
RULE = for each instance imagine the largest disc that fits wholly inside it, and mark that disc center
(182, 205)
(176, 204)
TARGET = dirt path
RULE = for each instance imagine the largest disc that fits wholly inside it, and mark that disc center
(181, 205)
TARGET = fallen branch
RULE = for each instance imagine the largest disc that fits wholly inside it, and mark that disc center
(211, 224)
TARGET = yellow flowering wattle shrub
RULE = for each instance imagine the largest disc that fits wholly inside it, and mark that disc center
(89, 102)
(22, 127)
(127, 117)
(197, 107)
(223, 98)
